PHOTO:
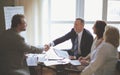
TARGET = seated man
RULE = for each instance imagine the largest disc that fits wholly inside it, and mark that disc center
(81, 40)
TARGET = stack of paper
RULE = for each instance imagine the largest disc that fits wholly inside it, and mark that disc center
(56, 62)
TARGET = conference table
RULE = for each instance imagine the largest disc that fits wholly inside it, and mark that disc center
(63, 69)
(59, 69)
(63, 66)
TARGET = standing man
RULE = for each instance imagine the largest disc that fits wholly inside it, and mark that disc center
(81, 40)
(13, 48)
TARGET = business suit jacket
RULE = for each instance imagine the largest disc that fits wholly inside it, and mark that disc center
(85, 45)
(103, 60)
(12, 50)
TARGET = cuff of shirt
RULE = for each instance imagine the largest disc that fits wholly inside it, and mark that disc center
(51, 44)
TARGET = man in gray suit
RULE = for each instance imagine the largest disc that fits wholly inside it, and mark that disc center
(13, 48)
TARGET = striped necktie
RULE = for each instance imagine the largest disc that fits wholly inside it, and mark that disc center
(76, 46)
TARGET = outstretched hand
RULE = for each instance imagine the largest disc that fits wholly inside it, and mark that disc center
(46, 47)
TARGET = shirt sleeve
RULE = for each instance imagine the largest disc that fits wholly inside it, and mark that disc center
(23, 46)
(52, 44)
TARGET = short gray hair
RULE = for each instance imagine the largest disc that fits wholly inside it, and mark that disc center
(82, 20)
(111, 35)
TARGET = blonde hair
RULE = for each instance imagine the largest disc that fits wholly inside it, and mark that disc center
(111, 35)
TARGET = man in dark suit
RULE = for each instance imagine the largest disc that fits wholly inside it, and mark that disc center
(79, 33)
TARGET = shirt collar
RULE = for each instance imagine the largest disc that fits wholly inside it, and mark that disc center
(80, 33)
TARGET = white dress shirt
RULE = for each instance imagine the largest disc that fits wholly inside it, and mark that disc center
(79, 40)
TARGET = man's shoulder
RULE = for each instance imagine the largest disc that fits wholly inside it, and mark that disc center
(10, 33)
(72, 32)
(3, 32)
(85, 31)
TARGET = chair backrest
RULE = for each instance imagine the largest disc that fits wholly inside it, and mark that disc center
(118, 65)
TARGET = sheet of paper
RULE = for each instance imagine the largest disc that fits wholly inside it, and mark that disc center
(62, 53)
(49, 63)
(56, 62)
(51, 54)
(75, 62)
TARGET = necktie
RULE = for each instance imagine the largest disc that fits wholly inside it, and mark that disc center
(76, 45)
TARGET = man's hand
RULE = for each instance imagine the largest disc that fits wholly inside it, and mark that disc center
(46, 47)
(72, 57)
(83, 60)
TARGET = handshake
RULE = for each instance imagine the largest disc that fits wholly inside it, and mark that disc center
(47, 46)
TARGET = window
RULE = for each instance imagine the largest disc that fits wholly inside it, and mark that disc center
(62, 13)
(62, 10)
(113, 10)
(93, 12)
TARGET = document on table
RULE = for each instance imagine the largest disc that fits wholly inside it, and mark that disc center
(61, 53)
(51, 54)
(55, 57)
(75, 62)
(56, 62)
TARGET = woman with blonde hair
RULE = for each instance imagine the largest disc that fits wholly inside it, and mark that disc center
(104, 57)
